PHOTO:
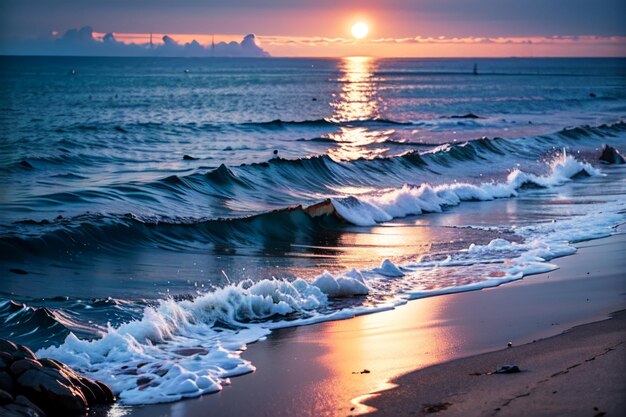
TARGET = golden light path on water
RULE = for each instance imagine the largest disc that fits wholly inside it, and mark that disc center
(358, 100)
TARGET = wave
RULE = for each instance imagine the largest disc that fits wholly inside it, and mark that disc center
(64, 158)
(323, 139)
(117, 234)
(282, 227)
(38, 326)
(275, 197)
(44, 322)
(215, 127)
(189, 348)
(181, 349)
(425, 198)
(280, 124)
(481, 148)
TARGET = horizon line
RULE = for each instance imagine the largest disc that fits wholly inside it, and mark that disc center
(319, 57)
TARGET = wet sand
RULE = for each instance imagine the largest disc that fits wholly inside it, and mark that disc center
(327, 369)
(577, 373)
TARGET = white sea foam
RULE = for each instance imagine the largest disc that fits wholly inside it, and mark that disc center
(181, 349)
(349, 285)
(389, 269)
(501, 261)
(142, 360)
(413, 200)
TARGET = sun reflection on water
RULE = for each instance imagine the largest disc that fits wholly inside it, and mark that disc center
(357, 101)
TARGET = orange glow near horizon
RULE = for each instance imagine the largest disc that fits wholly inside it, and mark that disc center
(418, 46)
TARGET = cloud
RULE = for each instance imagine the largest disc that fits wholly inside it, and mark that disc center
(444, 40)
(86, 42)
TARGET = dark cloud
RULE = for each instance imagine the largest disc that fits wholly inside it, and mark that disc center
(83, 42)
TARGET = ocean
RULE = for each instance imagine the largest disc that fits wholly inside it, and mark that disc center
(149, 206)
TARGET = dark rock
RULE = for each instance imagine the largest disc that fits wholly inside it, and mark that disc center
(22, 365)
(611, 155)
(26, 164)
(8, 346)
(25, 402)
(95, 392)
(51, 393)
(48, 383)
(507, 369)
(6, 382)
(5, 360)
(18, 271)
(109, 397)
(101, 392)
(189, 158)
(87, 391)
(53, 363)
(23, 353)
(20, 410)
(67, 377)
(5, 397)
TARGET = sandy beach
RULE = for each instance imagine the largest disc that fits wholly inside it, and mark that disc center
(329, 369)
(578, 373)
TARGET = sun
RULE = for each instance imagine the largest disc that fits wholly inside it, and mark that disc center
(359, 30)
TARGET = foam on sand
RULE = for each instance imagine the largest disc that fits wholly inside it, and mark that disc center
(501, 261)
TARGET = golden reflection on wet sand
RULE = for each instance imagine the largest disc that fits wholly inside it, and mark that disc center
(397, 243)
(364, 353)
(364, 248)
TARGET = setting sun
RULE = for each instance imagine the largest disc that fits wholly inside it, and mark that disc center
(360, 30)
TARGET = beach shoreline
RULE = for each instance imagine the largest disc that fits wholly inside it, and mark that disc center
(578, 372)
(329, 368)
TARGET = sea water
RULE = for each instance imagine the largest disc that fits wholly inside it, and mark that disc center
(149, 206)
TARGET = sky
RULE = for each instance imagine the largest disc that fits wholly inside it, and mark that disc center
(428, 28)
